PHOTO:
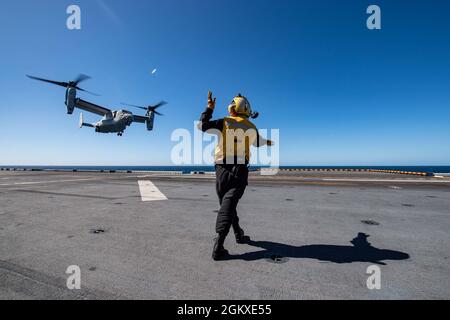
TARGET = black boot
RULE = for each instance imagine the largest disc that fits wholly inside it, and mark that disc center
(219, 251)
(240, 236)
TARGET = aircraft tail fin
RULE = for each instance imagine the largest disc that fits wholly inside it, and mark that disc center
(83, 124)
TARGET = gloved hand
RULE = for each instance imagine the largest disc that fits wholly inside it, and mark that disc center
(211, 101)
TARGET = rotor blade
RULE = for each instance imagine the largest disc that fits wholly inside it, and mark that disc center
(160, 114)
(62, 84)
(160, 104)
(81, 77)
(95, 94)
(132, 105)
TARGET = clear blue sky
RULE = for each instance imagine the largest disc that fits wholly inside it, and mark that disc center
(339, 93)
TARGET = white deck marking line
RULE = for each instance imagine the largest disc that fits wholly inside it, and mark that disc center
(387, 180)
(149, 192)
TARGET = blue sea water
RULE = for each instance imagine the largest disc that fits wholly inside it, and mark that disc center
(187, 169)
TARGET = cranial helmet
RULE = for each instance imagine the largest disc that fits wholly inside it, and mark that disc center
(241, 107)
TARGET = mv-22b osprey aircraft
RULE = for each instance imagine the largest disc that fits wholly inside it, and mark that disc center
(112, 121)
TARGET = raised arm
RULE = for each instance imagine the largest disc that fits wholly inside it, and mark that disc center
(205, 119)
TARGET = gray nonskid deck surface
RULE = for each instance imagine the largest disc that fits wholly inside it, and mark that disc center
(161, 249)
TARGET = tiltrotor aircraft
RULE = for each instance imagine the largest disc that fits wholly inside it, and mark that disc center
(112, 121)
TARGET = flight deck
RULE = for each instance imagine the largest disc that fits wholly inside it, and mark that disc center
(149, 235)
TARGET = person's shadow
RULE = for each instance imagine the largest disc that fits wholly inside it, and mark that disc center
(360, 251)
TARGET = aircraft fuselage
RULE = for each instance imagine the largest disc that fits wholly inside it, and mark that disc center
(118, 121)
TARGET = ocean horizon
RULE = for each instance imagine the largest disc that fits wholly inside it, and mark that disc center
(187, 169)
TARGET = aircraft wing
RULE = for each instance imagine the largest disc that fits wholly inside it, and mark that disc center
(140, 119)
(90, 107)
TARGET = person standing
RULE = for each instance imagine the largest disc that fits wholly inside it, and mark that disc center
(232, 156)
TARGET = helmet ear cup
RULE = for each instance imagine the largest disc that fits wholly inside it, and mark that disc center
(242, 106)
(232, 107)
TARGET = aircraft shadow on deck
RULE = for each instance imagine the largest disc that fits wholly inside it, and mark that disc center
(360, 251)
